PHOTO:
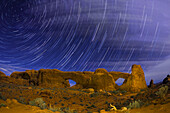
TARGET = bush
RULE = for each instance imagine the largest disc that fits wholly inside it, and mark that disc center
(43, 106)
(38, 102)
(2, 97)
(162, 92)
(32, 103)
(123, 92)
(92, 106)
(67, 98)
(135, 104)
(55, 109)
(2, 105)
(89, 112)
(62, 110)
(115, 92)
(21, 100)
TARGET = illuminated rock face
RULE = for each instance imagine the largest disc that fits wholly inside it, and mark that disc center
(2, 74)
(98, 80)
(7, 79)
(136, 81)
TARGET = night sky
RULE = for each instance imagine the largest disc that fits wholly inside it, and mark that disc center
(83, 35)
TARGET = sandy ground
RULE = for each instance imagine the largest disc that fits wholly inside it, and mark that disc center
(165, 108)
(14, 107)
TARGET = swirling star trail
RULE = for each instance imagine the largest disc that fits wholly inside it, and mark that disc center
(83, 35)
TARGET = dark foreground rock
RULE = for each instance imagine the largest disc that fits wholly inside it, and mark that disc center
(151, 85)
(166, 80)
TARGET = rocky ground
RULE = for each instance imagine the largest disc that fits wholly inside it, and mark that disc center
(20, 95)
(12, 106)
(79, 101)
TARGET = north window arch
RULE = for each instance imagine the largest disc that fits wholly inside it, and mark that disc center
(72, 82)
(120, 81)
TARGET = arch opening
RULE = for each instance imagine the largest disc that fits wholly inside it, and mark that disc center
(120, 81)
(71, 82)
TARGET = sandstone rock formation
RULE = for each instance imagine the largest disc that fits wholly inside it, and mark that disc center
(136, 81)
(101, 79)
(2, 74)
(10, 80)
(56, 78)
(151, 85)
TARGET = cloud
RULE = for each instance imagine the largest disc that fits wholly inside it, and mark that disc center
(159, 71)
(8, 69)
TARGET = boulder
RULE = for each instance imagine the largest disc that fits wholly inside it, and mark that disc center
(8, 101)
(89, 90)
(15, 101)
(101, 91)
(103, 111)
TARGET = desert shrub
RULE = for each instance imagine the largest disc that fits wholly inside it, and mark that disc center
(94, 94)
(67, 98)
(50, 97)
(2, 105)
(123, 91)
(82, 104)
(92, 106)
(2, 97)
(21, 100)
(62, 110)
(106, 102)
(38, 102)
(89, 112)
(62, 104)
(115, 92)
(56, 109)
(162, 92)
(128, 111)
(135, 104)
(43, 106)
(75, 111)
(143, 90)
(131, 96)
(32, 103)
(68, 110)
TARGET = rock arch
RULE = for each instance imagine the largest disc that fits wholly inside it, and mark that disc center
(120, 81)
(100, 79)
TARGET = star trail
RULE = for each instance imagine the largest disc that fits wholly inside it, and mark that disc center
(83, 35)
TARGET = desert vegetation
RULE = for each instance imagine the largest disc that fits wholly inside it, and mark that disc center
(84, 100)
(67, 100)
